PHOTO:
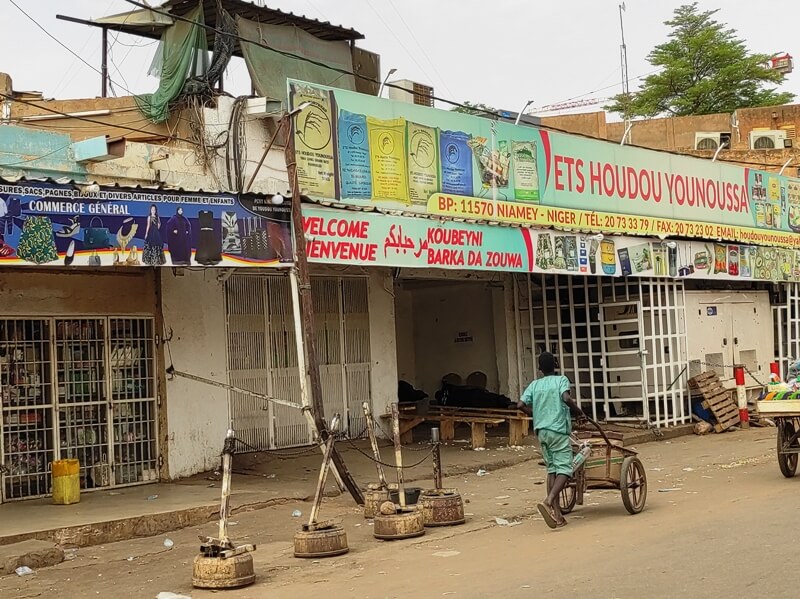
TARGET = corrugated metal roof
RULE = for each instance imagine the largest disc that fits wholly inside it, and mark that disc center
(150, 24)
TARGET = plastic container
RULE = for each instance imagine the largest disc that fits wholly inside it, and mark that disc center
(66, 482)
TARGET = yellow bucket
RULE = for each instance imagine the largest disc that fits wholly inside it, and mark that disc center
(66, 482)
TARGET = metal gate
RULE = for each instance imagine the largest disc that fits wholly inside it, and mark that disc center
(786, 319)
(569, 316)
(77, 387)
(262, 355)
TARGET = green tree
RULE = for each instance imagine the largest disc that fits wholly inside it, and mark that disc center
(704, 68)
(477, 109)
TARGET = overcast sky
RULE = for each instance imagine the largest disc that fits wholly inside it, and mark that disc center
(500, 52)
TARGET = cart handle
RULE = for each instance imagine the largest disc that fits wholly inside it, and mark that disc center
(600, 430)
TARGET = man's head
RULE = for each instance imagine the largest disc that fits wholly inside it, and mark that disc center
(547, 363)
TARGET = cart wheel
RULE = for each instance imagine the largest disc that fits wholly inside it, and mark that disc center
(568, 498)
(633, 484)
(786, 461)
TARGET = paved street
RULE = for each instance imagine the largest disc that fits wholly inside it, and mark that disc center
(719, 520)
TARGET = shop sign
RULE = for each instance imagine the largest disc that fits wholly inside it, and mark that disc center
(366, 151)
(49, 224)
(348, 237)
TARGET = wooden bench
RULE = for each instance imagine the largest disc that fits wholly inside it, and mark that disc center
(477, 418)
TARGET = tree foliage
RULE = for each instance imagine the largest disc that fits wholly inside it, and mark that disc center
(705, 68)
(477, 109)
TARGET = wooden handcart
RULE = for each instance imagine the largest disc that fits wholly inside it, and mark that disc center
(786, 414)
(609, 466)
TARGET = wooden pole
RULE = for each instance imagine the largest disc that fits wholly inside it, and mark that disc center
(398, 455)
(307, 309)
(374, 442)
(104, 64)
(301, 366)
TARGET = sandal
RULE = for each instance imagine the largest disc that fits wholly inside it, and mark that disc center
(547, 513)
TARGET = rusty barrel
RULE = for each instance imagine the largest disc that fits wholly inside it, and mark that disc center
(442, 507)
(325, 542)
(223, 573)
(373, 499)
(402, 525)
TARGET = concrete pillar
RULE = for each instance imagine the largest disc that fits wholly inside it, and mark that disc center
(382, 340)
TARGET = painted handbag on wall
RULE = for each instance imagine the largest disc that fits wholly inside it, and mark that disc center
(96, 237)
(37, 243)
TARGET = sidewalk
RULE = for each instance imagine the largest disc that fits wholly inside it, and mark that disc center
(260, 481)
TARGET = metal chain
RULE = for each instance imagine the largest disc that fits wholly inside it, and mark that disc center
(750, 372)
(372, 458)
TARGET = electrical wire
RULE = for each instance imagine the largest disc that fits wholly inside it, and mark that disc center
(96, 122)
(67, 48)
(2, 164)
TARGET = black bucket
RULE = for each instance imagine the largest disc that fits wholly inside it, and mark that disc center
(412, 495)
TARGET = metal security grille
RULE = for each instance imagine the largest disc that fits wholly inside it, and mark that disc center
(622, 342)
(81, 388)
(786, 319)
(262, 355)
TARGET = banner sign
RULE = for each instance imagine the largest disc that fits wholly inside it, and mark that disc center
(366, 151)
(344, 237)
(48, 224)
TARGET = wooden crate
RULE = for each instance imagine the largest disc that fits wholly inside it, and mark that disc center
(716, 398)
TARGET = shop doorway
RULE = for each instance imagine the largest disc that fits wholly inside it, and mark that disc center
(262, 356)
(786, 322)
(454, 330)
(621, 342)
(77, 387)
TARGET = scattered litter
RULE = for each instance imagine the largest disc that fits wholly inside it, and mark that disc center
(480, 449)
(297, 514)
(152, 497)
(448, 593)
(446, 553)
(469, 514)
(233, 523)
(211, 486)
(70, 554)
(504, 522)
(169, 543)
(482, 472)
(503, 497)
(706, 476)
(656, 469)
(131, 558)
(669, 489)
(688, 469)
(271, 475)
(112, 493)
(538, 482)
(525, 586)
(168, 595)
(23, 571)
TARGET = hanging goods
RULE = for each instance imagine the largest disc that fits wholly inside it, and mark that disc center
(376, 494)
(327, 538)
(221, 564)
(37, 243)
(440, 507)
(96, 236)
(398, 522)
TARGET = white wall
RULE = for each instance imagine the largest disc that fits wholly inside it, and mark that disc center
(383, 347)
(197, 414)
(404, 335)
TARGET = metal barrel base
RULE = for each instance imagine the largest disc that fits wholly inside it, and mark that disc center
(326, 542)
(223, 573)
(402, 525)
(442, 507)
(373, 499)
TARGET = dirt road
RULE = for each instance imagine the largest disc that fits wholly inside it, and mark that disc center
(719, 517)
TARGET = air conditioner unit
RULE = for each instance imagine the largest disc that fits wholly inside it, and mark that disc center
(710, 140)
(411, 92)
(768, 139)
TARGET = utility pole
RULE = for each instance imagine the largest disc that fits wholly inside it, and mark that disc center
(623, 63)
(307, 310)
